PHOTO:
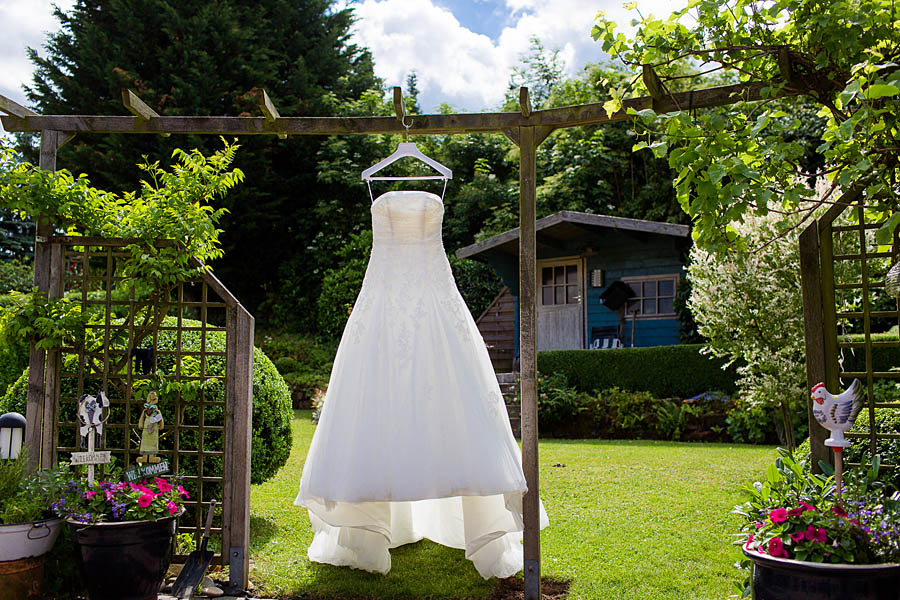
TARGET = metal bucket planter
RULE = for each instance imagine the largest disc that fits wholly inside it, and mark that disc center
(787, 579)
(123, 561)
(22, 550)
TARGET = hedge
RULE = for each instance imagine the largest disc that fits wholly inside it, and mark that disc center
(271, 435)
(665, 371)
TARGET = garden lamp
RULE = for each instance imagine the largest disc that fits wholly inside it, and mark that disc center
(12, 432)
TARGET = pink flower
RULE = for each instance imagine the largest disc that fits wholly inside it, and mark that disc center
(89, 494)
(795, 512)
(749, 541)
(779, 515)
(806, 506)
(163, 485)
(183, 493)
(797, 537)
(816, 534)
(145, 500)
(109, 496)
(172, 508)
(839, 511)
(776, 548)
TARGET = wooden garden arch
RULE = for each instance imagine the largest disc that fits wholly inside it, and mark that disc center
(526, 128)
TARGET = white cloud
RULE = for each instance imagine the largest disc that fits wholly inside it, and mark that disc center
(24, 23)
(469, 70)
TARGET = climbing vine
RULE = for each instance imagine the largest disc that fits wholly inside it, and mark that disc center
(170, 223)
(745, 158)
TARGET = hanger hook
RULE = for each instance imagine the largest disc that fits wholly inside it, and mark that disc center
(403, 122)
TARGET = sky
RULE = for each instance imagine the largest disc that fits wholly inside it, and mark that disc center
(463, 51)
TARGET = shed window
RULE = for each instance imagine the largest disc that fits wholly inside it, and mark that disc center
(653, 296)
(559, 285)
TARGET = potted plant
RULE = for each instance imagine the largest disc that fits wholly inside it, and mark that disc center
(803, 542)
(28, 528)
(122, 533)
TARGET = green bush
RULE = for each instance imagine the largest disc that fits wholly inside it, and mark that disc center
(341, 285)
(750, 423)
(558, 403)
(271, 432)
(664, 371)
(16, 274)
(287, 364)
(625, 414)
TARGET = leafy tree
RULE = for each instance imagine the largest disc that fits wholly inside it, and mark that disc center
(193, 57)
(749, 308)
(540, 69)
(841, 56)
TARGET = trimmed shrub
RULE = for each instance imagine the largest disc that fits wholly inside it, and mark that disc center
(664, 371)
(271, 434)
(625, 414)
(287, 364)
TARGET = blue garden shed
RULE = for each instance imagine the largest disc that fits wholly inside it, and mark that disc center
(602, 281)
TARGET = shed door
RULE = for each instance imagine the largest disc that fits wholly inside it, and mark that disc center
(560, 311)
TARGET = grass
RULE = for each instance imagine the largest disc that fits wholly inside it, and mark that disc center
(628, 520)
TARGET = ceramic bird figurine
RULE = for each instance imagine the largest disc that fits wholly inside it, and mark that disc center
(837, 413)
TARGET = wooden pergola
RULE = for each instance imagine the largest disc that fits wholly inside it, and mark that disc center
(526, 128)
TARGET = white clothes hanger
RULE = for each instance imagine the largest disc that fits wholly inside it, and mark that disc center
(404, 150)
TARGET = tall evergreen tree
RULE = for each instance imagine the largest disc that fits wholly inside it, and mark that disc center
(194, 57)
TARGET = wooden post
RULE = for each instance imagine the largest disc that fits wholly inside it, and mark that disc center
(52, 367)
(814, 333)
(34, 410)
(528, 359)
(238, 429)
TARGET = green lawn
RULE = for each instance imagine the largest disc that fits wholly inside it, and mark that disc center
(628, 519)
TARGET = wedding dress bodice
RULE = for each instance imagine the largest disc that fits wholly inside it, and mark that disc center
(402, 219)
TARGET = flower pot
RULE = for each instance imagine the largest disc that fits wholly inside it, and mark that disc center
(123, 561)
(787, 579)
(22, 550)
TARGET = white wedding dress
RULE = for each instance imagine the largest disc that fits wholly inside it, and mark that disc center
(413, 441)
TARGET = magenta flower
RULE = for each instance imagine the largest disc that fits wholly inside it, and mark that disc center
(163, 485)
(795, 512)
(145, 500)
(776, 548)
(749, 540)
(109, 496)
(839, 511)
(779, 515)
(806, 506)
(90, 494)
(172, 508)
(183, 493)
(816, 534)
(797, 537)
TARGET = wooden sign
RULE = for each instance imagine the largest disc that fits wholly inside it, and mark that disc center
(98, 457)
(137, 472)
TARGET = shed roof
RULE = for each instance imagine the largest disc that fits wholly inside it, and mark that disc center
(565, 225)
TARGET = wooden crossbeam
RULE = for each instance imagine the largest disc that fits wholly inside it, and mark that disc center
(15, 109)
(268, 109)
(555, 118)
(139, 108)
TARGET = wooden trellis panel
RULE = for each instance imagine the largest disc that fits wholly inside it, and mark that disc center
(201, 367)
(840, 260)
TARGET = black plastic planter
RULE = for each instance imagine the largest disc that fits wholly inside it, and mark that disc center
(123, 561)
(786, 579)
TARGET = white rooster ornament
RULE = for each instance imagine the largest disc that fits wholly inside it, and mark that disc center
(837, 413)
